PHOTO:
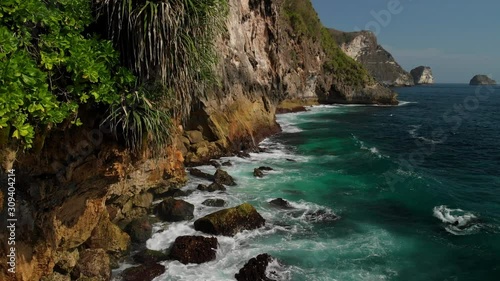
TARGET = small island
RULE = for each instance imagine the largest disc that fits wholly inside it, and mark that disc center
(422, 75)
(482, 80)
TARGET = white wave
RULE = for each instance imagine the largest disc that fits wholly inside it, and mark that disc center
(403, 103)
(413, 130)
(414, 134)
(457, 221)
(362, 145)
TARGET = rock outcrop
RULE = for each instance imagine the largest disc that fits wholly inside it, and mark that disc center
(230, 221)
(146, 272)
(173, 210)
(363, 47)
(482, 80)
(255, 269)
(422, 75)
(194, 249)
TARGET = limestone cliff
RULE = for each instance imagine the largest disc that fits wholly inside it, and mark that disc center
(482, 80)
(364, 48)
(422, 75)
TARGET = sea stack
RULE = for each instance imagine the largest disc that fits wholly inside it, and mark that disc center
(482, 80)
(422, 75)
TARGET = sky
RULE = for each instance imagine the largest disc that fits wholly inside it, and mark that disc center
(456, 38)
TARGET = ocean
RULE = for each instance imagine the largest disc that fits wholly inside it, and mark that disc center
(410, 192)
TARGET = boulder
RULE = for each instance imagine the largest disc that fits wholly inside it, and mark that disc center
(143, 200)
(482, 80)
(194, 137)
(197, 173)
(281, 203)
(146, 272)
(230, 221)
(93, 263)
(255, 269)
(214, 163)
(214, 203)
(148, 256)
(176, 192)
(108, 236)
(211, 188)
(227, 164)
(65, 261)
(422, 75)
(222, 177)
(194, 249)
(258, 173)
(172, 210)
(140, 229)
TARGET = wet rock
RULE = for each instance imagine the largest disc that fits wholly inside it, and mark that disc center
(265, 168)
(227, 164)
(198, 173)
(148, 256)
(230, 221)
(176, 192)
(290, 160)
(255, 269)
(140, 229)
(321, 216)
(145, 272)
(243, 154)
(258, 173)
(173, 210)
(281, 203)
(222, 177)
(214, 203)
(194, 249)
(93, 263)
(214, 163)
(211, 188)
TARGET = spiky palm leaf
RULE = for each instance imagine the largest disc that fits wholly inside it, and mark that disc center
(168, 41)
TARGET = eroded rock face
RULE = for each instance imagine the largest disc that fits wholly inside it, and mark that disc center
(255, 269)
(422, 75)
(363, 47)
(93, 263)
(194, 249)
(230, 221)
(482, 80)
(146, 272)
(173, 210)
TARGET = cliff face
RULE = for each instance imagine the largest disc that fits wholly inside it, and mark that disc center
(482, 80)
(363, 47)
(82, 189)
(422, 75)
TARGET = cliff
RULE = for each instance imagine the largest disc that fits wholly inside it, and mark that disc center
(364, 48)
(482, 80)
(422, 75)
(81, 188)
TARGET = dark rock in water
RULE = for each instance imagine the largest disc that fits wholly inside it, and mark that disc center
(280, 202)
(148, 256)
(258, 173)
(214, 203)
(194, 249)
(140, 229)
(211, 188)
(214, 163)
(174, 210)
(255, 269)
(145, 272)
(422, 75)
(265, 168)
(261, 149)
(230, 221)
(222, 177)
(321, 215)
(197, 173)
(482, 80)
(290, 160)
(227, 164)
(243, 154)
(295, 192)
(176, 192)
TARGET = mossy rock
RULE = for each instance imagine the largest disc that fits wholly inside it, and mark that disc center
(230, 221)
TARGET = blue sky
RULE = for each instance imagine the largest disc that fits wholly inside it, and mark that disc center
(456, 38)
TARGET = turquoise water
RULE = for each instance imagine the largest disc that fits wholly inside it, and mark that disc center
(416, 188)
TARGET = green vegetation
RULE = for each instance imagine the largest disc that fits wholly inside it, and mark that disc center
(170, 42)
(305, 23)
(51, 63)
